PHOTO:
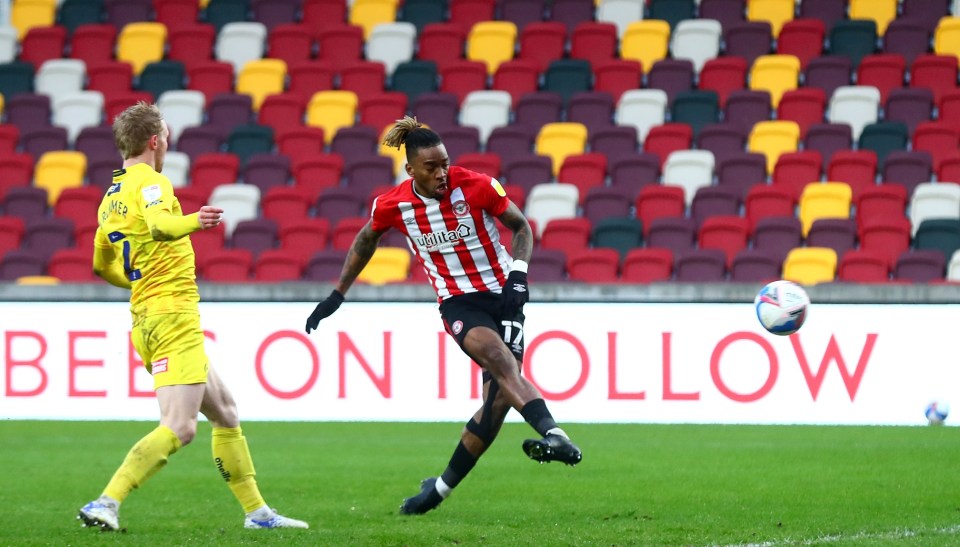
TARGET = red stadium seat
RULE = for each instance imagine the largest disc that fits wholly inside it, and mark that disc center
(655, 201)
(566, 234)
(305, 236)
(647, 265)
(594, 266)
(225, 265)
(277, 265)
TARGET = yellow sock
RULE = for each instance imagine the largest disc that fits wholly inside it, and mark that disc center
(142, 462)
(232, 457)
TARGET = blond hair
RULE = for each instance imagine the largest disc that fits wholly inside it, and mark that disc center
(133, 128)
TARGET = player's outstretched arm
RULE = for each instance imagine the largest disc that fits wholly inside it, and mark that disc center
(516, 291)
(358, 256)
(165, 226)
(522, 243)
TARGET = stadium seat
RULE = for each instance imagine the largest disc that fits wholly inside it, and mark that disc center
(9, 138)
(697, 40)
(723, 75)
(594, 42)
(853, 38)
(15, 78)
(27, 14)
(546, 202)
(284, 113)
(585, 171)
(689, 169)
(697, 109)
(364, 78)
(775, 12)
(246, 140)
(255, 235)
(20, 263)
(749, 40)
(881, 202)
(367, 14)
(392, 43)
(953, 268)
(8, 44)
(181, 109)
(805, 106)
(593, 266)
(11, 232)
(939, 139)
(641, 109)
(936, 72)
(647, 265)
(387, 265)
(667, 138)
(920, 266)
(622, 234)
(542, 42)
(278, 265)
(882, 139)
(746, 108)
(827, 138)
(710, 201)
(938, 234)
(290, 43)
(211, 78)
(645, 41)
(566, 234)
(260, 78)
(839, 234)
(910, 106)
(78, 204)
(946, 36)
(239, 202)
(884, 71)
(266, 170)
(340, 45)
(72, 265)
(887, 236)
(522, 12)
(527, 171)
(240, 42)
(559, 140)
(191, 44)
(810, 265)
(828, 72)
(59, 170)
(592, 109)
(29, 111)
(824, 200)
(766, 201)
(856, 168)
(441, 44)
(794, 170)
(775, 74)
(802, 38)
(729, 234)
(338, 203)
(856, 106)
(492, 43)
(863, 266)
(881, 12)
(741, 171)
(754, 266)
(934, 200)
(673, 76)
(42, 44)
(225, 266)
(656, 201)
(304, 236)
(773, 138)
(331, 110)
(423, 12)
(700, 266)
(140, 44)
(176, 167)
(908, 37)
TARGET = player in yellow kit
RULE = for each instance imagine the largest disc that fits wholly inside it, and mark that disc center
(142, 244)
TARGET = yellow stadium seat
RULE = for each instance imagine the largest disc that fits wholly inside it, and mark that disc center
(775, 12)
(946, 37)
(370, 13)
(331, 110)
(37, 280)
(492, 42)
(1, 104)
(776, 74)
(879, 11)
(772, 138)
(824, 200)
(140, 44)
(387, 265)
(260, 78)
(561, 139)
(59, 170)
(810, 265)
(646, 41)
(26, 14)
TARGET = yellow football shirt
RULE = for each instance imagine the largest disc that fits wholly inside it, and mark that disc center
(161, 273)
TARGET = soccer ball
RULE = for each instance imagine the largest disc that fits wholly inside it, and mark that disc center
(782, 307)
(937, 412)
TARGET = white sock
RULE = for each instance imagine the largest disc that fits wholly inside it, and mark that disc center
(109, 502)
(442, 488)
(558, 431)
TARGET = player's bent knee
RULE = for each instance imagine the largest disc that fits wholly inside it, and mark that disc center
(482, 431)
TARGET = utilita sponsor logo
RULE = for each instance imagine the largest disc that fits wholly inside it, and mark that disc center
(438, 240)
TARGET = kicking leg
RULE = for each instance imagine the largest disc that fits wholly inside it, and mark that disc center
(232, 457)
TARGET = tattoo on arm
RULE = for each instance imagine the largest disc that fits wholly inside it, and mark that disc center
(359, 254)
(522, 233)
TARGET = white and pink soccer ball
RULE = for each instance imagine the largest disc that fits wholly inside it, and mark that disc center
(782, 307)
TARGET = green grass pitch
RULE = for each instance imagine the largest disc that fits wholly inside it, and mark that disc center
(637, 485)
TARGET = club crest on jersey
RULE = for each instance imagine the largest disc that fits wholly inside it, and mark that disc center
(456, 327)
(158, 366)
(434, 241)
(461, 208)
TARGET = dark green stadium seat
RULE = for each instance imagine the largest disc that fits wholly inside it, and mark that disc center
(940, 234)
(672, 11)
(568, 76)
(423, 12)
(162, 76)
(73, 13)
(853, 38)
(883, 138)
(696, 109)
(16, 78)
(221, 12)
(414, 78)
(619, 233)
(250, 139)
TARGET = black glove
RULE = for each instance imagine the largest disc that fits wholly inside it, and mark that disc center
(516, 293)
(324, 309)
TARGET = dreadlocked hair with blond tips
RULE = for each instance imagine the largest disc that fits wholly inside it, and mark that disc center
(411, 133)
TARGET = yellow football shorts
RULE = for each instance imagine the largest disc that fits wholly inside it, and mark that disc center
(171, 346)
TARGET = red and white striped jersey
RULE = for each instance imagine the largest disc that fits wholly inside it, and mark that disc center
(455, 239)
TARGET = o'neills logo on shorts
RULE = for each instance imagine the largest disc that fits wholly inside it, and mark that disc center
(158, 366)
(457, 326)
